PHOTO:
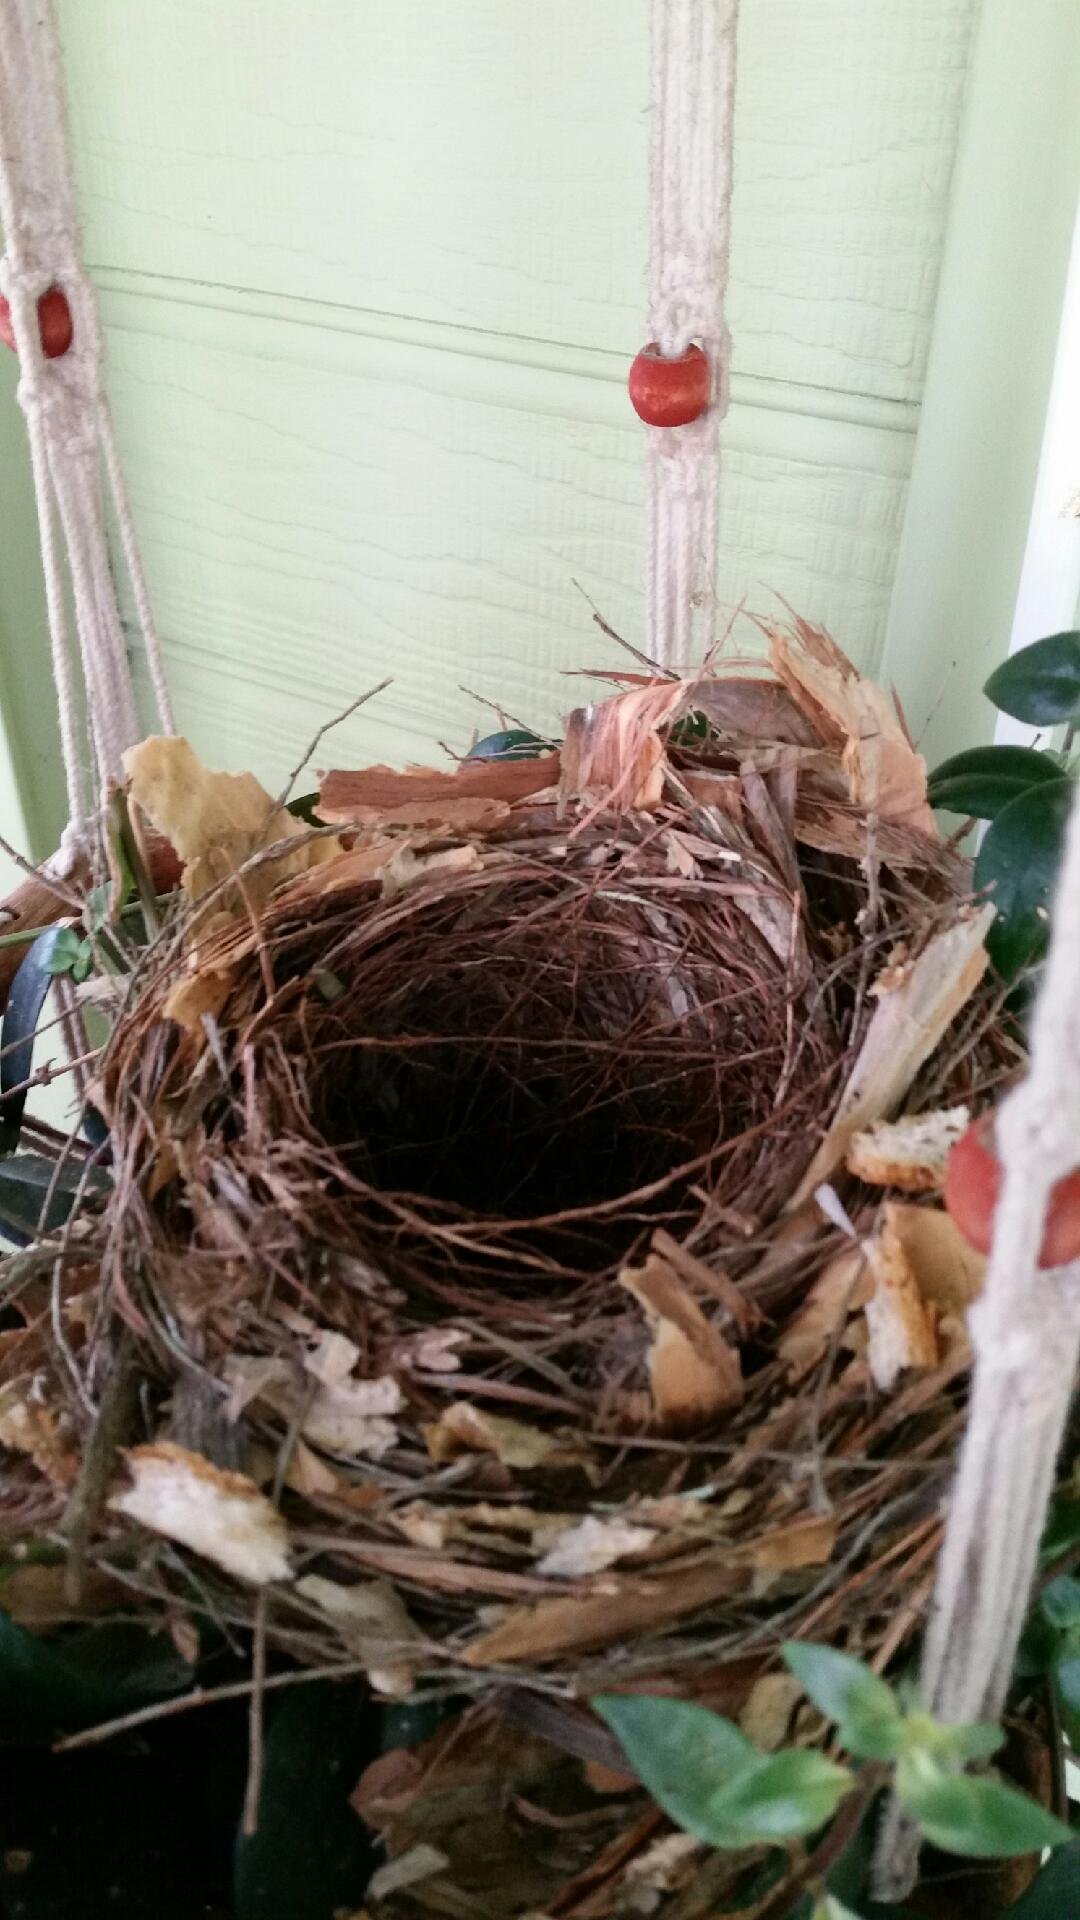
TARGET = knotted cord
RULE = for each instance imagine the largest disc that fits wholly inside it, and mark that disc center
(73, 450)
(692, 89)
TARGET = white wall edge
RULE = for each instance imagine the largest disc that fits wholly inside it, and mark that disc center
(996, 328)
(1049, 593)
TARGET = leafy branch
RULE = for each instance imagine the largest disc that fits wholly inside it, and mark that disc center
(1025, 794)
(715, 1784)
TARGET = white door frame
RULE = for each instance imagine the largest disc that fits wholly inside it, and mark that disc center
(974, 486)
(1048, 598)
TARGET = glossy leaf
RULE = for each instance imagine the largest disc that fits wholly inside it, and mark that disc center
(863, 1706)
(833, 1909)
(1017, 866)
(512, 743)
(684, 1754)
(977, 1818)
(1041, 683)
(1060, 1602)
(782, 1797)
(1054, 1894)
(692, 728)
(983, 781)
(311, 1856)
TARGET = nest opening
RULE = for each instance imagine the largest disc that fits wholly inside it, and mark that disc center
(567, 1067)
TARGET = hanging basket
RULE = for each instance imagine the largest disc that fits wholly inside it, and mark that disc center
(476, 1322)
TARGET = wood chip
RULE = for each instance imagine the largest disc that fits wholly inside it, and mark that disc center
(222, 1516)
(840, 1289)
(613, 753)
(766, 1716)
(592, 1545)
(28, 1426)
(713, 1281)
(345, 796)
(910, 1019)
(216, 821)
(348, 1417)
(372, 1622)
(464, 1428)
(903, 1332)
(693, 1373)
(911, 1153)
(800, 1543)
(950, 1274)
(554, 1627)
(885, 774)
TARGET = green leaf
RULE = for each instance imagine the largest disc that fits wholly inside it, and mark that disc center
(975, 1742)
(781, 1797)
(99, 903)
(985, 779)
(90, 1676)
(303, 808)
(310, 1856)
(1062, 1528)
(1038, 1646)
(863, 1706)
(978, 1818)
(1067, 1681)
(65, 949)
(1059, 1602)
(25, 1181)
(684, 1754)
(84, 961)
(1041, 683)
(832, 1909)
(1054, 1894)
(1018, 865)
(513, 743)
(692, 727)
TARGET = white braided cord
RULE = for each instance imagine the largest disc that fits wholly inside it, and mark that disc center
(72, 442)
(691, 165)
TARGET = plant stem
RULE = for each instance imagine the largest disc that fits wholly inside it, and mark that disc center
(25, 937)
(834, 1844)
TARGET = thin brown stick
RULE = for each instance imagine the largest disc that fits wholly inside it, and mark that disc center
(205, 1697)
(321, 733)
(253, 1790)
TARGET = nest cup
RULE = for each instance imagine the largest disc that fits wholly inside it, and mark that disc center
(461, 1204)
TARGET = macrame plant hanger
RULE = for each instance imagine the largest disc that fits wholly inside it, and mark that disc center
(52, 316)
(679, 384)
(1026, 1327)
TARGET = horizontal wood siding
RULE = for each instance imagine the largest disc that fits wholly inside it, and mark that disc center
(372, 277)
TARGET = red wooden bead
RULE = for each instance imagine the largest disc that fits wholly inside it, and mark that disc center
(670, 393)
(972, 1188)
(54, 321)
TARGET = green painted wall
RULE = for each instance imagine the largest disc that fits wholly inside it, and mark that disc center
(372, 277)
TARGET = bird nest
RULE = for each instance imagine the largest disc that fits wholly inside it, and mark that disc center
(463, 1304)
